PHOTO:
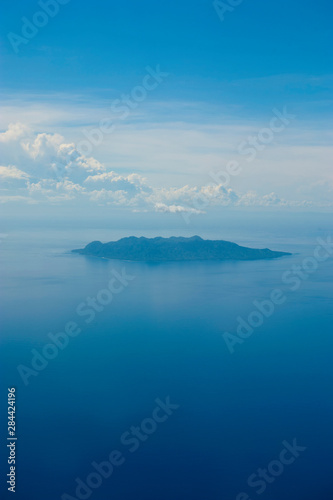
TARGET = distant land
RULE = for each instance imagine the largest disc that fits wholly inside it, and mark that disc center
(175, 249)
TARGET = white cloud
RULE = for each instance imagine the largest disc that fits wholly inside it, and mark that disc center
(12, 172)
(43, 144)
(117, 198)
(14, 131)
(176, 209)
(49, 188)
(133, 184)
(89, 164)
(51, 170)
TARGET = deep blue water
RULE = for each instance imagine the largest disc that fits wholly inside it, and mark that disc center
(162, 336)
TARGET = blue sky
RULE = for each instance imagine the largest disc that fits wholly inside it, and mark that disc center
(224, 80)
(101, 44)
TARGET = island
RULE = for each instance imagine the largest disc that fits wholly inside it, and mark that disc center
(175, 249)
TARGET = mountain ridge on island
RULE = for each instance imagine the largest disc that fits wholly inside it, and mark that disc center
(175, 248)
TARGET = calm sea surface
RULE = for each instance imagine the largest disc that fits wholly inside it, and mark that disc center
(159, 337)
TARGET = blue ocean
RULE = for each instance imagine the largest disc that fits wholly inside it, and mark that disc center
(143, 398)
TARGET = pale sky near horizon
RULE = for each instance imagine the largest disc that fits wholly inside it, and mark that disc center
(205, 112)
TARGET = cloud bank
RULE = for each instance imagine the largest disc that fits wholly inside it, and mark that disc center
(44, 168)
